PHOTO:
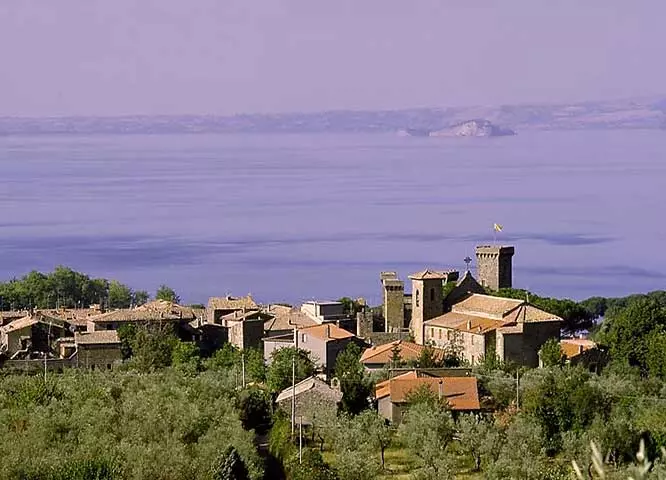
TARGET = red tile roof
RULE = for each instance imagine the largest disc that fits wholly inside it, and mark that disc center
(461, 393)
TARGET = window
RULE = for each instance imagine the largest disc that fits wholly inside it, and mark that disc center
(303, 338)
(471, 341)
(440, 333)
(432, 294)
(472, 360)
(448, 334)
(417, 298)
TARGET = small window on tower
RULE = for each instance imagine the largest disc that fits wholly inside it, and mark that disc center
(432, 294)
(417, 298)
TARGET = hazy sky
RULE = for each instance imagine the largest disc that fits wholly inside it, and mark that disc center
(108, 57)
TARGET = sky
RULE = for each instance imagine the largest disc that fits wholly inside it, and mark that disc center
(118, 57)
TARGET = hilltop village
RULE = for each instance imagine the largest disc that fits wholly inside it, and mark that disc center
(447, 313)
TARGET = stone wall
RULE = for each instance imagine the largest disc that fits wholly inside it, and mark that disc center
(494, 266)
(427, 303)
(98, 356)
(394, 305)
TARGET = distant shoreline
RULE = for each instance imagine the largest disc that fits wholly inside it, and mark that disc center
(644, 114)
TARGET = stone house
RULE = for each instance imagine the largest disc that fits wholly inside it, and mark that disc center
(100, 349)
(585, 352)
(218, 307)
(323, 342)
(460, 393)
(483, 325)
(33, 333)
(158, 313)
(245, 328)
(313, 395)
(284, 321)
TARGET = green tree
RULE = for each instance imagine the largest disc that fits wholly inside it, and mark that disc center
(630, 333)
(140, 297)
(354, 453)
(127, 335)
(426, 430)
(152, 348)
(255, 408)
(350, 306)
(120, 296)
(279, 374)
(380, 433)
(185, 357)
(311, 467)
(355, 384)
(479, 438)
(231, 467)
(167, 293)
(551, 353)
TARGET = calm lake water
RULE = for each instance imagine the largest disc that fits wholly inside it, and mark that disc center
(296, 217)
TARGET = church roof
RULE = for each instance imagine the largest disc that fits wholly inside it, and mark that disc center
(483, 313)
(428, 275)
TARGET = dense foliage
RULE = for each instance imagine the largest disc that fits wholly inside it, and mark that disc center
(110, 425)
(65, 287)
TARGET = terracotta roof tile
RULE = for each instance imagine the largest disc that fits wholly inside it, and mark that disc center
(382, 354)
(572, 347)
(231, 303)
(484, 313)
(465, 323)
(97, 338)
(282, 321)
(461, 392)
(327, 332)
(20, 324)
(382, 388)
(158, 310)
(487, 305)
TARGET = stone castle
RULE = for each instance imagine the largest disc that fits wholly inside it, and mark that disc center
(445, 309)
(427, 298)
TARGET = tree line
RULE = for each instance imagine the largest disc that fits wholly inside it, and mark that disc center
(64, 287)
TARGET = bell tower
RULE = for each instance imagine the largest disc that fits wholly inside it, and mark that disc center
(427, 300)
(394, 302)
(494, 266)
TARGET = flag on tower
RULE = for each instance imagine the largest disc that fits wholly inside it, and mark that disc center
(497, 227)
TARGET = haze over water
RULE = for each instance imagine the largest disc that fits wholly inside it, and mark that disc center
(295, 217)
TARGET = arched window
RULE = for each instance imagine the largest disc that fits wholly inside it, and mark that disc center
(432, 294)
(417, 298)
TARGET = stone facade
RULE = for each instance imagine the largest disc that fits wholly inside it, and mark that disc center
(394, 302)
(472, 347)
(494, 266)
(427, 301)
(314, 399)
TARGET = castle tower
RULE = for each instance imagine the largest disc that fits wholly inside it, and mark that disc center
(494, 266)
(427, 300)
(394, 302)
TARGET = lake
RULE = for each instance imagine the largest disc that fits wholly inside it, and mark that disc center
(297, 217)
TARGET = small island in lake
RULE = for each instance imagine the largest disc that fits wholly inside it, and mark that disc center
(470, 128)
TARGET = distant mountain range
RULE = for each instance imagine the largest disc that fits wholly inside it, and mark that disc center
(636, 113)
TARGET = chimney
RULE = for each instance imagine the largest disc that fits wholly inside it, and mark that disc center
(580, 349)
(469, 324)
(440, 392)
